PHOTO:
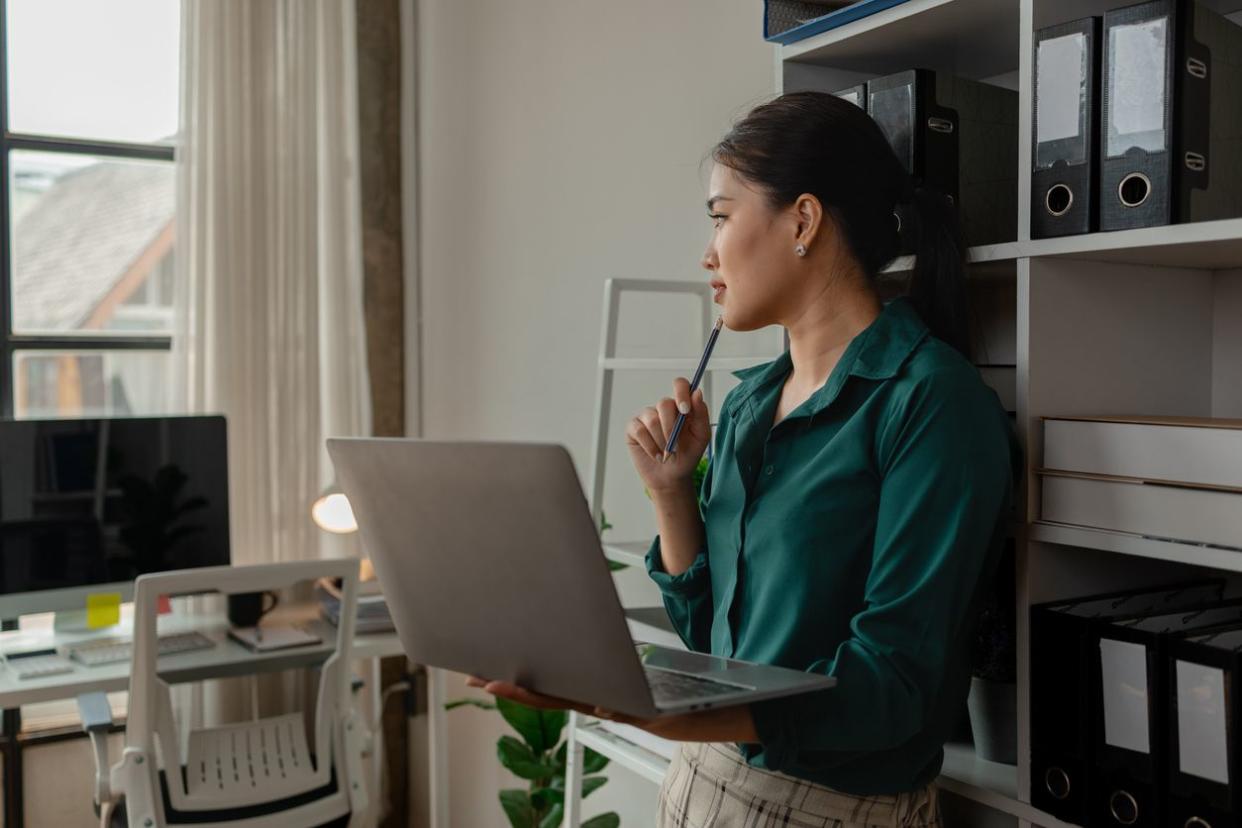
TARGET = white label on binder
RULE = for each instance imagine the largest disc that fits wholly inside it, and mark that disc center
(1123, 667)
(1201, 735)
(1060, 87)
(1136, 85)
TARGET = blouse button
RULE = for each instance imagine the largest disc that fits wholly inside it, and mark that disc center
(768, 470)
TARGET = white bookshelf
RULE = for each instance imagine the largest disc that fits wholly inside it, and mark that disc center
(1211, 245)
(984, 261)
(1122, 543)
(1142, 322)
(1130, 322)
(646, 763)
(974, 38)
(632, 553)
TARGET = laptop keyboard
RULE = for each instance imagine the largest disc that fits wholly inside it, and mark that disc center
(674, 687)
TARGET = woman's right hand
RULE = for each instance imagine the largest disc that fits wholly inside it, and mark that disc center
(647, 434)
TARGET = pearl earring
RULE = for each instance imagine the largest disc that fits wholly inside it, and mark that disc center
(800, 249)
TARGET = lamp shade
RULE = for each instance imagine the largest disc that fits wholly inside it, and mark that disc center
(332, 512)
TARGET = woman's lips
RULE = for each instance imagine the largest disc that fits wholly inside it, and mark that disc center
(720, 289)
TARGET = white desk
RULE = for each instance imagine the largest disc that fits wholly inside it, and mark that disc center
(227, 658)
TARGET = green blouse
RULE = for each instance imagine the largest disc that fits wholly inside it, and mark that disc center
(852, 539)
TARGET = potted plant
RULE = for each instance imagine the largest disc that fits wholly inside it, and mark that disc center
(993, 699)
(540, 757)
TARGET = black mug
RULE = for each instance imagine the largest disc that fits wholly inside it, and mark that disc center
(246, 608)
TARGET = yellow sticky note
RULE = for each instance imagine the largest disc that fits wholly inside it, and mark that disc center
(103, 610)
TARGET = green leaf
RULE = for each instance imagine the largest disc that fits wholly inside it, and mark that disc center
(608, 820)
(561, 754)
(518, 809)
(593, 762)
(543, 798)
(469, 702)
(700, 471)
(591, 784)
(617, 566)
(555, 793)
(552, 723)
(553, 818)
(519, 759)
(604, 525)
(526, 721)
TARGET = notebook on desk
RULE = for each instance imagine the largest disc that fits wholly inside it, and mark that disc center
(275, 637)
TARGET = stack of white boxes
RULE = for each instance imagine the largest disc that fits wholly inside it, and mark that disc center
(1175, 479)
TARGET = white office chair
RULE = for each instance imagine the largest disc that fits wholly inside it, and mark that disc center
(258, 774)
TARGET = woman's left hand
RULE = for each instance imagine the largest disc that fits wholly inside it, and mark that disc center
(725, 724)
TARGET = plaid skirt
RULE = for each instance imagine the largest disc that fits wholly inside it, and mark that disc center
(711, 786)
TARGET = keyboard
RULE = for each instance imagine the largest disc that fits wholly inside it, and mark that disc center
(667, 686)
(37, 664)
(96, 651)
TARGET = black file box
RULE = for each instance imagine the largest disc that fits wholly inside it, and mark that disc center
(1204, 741)
(1065, 130)
(958, 137)
(1171, 135)
(1129, 709)
(1060, 667)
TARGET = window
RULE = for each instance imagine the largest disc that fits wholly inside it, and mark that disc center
(89, 96)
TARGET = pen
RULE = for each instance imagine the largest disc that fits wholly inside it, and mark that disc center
(694, 383)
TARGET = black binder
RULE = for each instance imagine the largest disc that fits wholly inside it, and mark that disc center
(1205, 734)
(856, 95)
(1065, 127)
(1129, 708)
(958, 137)
(1060, 667)
(1171, 132)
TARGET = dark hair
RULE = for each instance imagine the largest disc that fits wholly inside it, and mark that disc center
(813, 142)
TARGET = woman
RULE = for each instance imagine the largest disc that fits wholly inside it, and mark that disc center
(858, 490)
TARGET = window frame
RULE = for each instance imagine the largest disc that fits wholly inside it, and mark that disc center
(11, 343)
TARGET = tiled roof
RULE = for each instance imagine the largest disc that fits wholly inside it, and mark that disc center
(81, 236)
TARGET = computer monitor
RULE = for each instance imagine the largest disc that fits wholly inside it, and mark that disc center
(86, 506)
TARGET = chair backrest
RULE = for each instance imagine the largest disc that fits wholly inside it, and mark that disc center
(150, 721)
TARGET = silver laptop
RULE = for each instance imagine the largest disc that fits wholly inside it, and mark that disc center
(491, 566)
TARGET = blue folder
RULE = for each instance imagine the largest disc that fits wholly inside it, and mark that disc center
(828, 21)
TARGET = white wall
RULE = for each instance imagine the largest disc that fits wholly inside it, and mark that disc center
(561, 143)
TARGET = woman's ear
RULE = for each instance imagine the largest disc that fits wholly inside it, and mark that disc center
(809, 217)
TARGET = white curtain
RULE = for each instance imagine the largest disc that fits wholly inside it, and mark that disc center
(270, 326)
(269, 322)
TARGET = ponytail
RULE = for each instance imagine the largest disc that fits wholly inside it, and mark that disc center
(938, 285)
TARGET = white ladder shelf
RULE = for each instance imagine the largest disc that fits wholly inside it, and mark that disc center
(582, 733)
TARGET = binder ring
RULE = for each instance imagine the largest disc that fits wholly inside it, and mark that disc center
(1058, 199)
(1131, 182)
(1057, 782)
(1196, 822)
(1124, 799)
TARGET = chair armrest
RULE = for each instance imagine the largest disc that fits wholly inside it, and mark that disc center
(96, 715)
(95, 712)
